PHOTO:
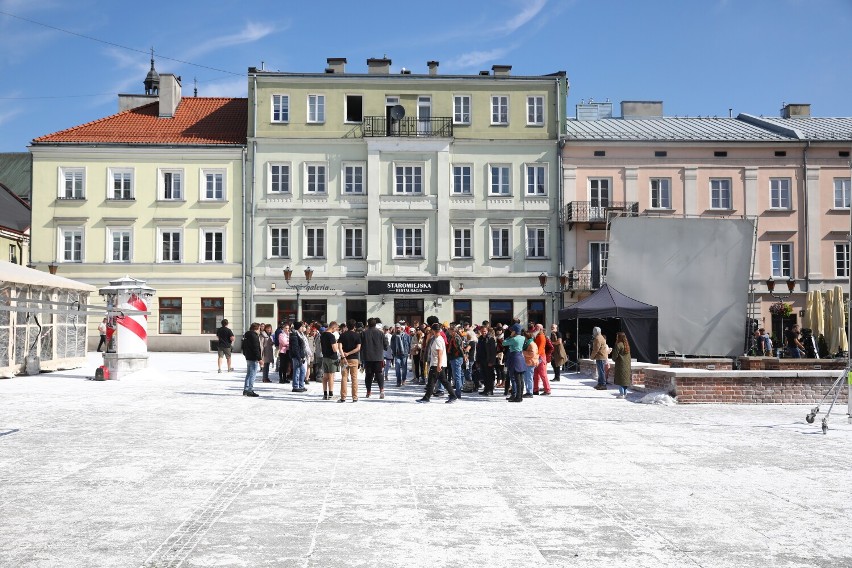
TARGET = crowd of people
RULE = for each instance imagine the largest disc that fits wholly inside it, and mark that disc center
(447, 359)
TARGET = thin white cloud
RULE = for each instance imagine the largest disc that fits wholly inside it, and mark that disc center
(531, 9)
(476, 58)
(228, 88)
(250, 33)
(7, 115)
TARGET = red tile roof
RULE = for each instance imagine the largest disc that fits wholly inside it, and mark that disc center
(197, 121)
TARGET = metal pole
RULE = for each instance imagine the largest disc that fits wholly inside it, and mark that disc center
(849, 329)
(298, 304)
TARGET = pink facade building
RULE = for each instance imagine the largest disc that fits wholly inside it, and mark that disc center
(792, 173)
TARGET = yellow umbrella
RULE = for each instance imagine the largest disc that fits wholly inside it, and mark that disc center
(819, 314)
(810, 307)
(839, 319)
(828, 330)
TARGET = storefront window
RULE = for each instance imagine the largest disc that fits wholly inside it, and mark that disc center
(462, 311)
(287, 311)
(500, 312)
(314, 310)
(356, 309)
(171, 315)
(535, 311)
(212, 314)
(409, 310)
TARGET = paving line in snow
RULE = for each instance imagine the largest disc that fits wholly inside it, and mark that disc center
(180, 544)
(630, 523)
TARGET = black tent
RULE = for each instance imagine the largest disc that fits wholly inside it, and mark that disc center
(638, 320)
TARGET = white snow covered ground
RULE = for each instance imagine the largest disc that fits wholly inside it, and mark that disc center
(173, 467)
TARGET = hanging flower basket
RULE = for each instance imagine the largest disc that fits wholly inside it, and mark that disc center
(781, 309)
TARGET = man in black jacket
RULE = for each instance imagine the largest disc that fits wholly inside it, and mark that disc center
(298, 356)
(372, 354)
(486, 359)
(252, 352)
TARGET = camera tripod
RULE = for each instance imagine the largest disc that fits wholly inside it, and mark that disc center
(836, 387)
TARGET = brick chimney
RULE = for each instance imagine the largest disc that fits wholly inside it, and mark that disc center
(336, 65)
(378, 66)
(169, 95)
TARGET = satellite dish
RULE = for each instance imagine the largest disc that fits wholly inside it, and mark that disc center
(397, 112)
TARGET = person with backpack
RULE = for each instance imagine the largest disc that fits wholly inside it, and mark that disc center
(253, 354)
(545, 350)
(455, 359)
(281, 340)
(298, 356)
(400, 345)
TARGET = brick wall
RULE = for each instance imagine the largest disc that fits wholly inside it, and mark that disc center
(744, 387)
(790, 364)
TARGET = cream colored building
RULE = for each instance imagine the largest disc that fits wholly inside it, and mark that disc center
(406, 194)
(154, 192)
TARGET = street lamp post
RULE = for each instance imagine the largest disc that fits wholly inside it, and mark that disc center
(770, 285)
(288, 273)
(563, 285)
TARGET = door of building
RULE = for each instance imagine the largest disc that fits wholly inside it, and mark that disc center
(598, 198)
(500, 312)
(356, 309)
(408, 310)
(287, 311)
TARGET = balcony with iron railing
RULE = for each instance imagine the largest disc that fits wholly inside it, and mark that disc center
(584, 280)
(408, 127)
(598, 212)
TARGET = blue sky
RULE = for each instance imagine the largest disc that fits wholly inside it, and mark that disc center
(701, 57)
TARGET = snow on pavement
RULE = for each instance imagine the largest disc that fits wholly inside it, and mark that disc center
(173, 467)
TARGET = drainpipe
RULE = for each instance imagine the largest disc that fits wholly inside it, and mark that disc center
(560, 221)
(805, 208)
(243, 234)
(250, 244)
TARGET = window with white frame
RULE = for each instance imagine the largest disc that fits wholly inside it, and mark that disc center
(212, 245)
(461, 109)
(171, 185)
(280, 108)
(212, 185)
(779, 193)
(353, 178)
(500, 182)
(408, 242)
(463, 242)
(119, 244)
(278, 242)
(72, 183)
(720, 193)
(120, 183)
(279, 178)
(462, 179)
(841, 193)
(314, 242)
(353, 242)
(536, 179)
(315, 178)
(661, 193)
(782, 260)
(536, 242)
(500, 242)
(170, 247)
(316, 108)
(409, 179)
(535, 110)
(71, 244)
(841, 260)
(500, 109)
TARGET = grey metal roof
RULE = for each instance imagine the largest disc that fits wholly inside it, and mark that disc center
(808, 127)
(14, 213)
(16, 172)
(675, 129)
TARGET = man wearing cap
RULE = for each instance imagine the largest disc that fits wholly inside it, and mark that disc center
(400, 345)
(437, 365)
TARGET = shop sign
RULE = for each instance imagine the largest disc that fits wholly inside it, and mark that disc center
(379, 287)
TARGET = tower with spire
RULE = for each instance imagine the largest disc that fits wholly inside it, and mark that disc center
(152, 80)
